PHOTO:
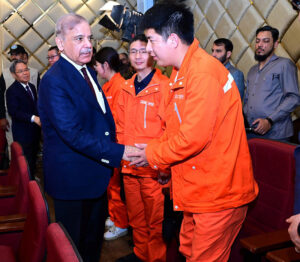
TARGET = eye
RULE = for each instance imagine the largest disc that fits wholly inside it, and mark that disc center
(78, 38)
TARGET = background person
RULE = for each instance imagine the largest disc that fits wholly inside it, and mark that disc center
(272, 91)
(21, 100)
(53, 55)
(222, 50)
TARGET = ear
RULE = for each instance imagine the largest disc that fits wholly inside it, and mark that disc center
(228, 54)
(173, 40)
(106, 66)
(59, 43)
(276, 44)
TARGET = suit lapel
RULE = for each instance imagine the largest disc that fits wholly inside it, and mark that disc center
(79, 84)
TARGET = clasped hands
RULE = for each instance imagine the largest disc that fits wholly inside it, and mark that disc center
(136, 155)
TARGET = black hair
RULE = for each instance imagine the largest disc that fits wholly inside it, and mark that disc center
(140, 37)
(53, 48)
(109, 55)
(274, 31)
(13, 65)
(167, 18)
(226, 42)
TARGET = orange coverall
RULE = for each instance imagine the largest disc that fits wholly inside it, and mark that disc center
(116, 207)
(138, 121)
(206, 147)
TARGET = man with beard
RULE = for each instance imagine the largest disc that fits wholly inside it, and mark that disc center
(222, 50)
(272, 89)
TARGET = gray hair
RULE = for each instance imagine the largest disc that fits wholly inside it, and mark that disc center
(13, 65)
(67, 22)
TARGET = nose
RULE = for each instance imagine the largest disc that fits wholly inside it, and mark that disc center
(149, 47)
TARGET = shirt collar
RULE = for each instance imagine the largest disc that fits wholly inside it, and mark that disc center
(227, 65)
(78, 67)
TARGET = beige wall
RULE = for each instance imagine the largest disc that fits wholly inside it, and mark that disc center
(31, 23)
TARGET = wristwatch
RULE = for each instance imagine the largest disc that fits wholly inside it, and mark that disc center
(270, 121)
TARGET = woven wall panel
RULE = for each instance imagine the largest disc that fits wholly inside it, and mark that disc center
(31, 23)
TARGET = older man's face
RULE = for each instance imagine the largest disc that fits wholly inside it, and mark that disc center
(76, 44)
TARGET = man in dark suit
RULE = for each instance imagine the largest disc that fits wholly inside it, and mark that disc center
(21, 100)
(79, 134)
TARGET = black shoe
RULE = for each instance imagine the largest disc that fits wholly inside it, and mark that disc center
(129, 258)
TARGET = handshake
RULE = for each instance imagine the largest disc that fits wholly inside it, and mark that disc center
(136, 155)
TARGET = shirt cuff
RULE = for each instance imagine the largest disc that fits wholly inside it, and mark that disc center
(32, 119)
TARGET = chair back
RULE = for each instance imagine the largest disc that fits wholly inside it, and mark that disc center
(19, 203)
(60, 247)
(274, 170)
(33, 243)
(12, 179)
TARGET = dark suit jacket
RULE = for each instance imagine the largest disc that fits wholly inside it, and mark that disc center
(79, 148)
(21, 107)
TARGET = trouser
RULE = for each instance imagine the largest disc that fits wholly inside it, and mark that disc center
(30, 151)
(209, 236)
(116, 207)
(145, 206)
(85, 222)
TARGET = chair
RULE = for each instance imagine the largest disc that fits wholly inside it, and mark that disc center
(3, 148)
(16, 207)
(274, 170)
(59, 245)
(289, 253)
(31, 244)
(7, 177)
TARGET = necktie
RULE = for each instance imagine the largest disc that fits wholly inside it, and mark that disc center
(100, 97)
(87, 79)
(29, 92)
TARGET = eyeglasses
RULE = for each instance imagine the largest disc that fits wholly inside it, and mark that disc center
(135, 51)
(23, 71)
(51, 57)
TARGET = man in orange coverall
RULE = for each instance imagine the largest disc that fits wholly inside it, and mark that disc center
(139, 121)
(204, 142)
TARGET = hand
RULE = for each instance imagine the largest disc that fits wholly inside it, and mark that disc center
(293, 230)
(263, 126)
(4, 124)
(139, 156)
(163, 178)
(127, 151)
(37, 120)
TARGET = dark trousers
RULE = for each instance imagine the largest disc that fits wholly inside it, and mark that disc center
(85, 222)
(30, 151)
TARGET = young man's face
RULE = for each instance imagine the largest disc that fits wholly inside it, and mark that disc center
(219, 52)
(158, 48)
(139, 57)
(264, 46)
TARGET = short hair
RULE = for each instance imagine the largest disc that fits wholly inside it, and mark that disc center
(53, 48)
(139, 37)
(274, 31)
(67, 22)
(13, 65)
(167, 18)
(226, 42)
(109, 55)
(125, 54)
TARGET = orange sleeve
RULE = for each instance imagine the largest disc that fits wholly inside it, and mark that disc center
(119, 116)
